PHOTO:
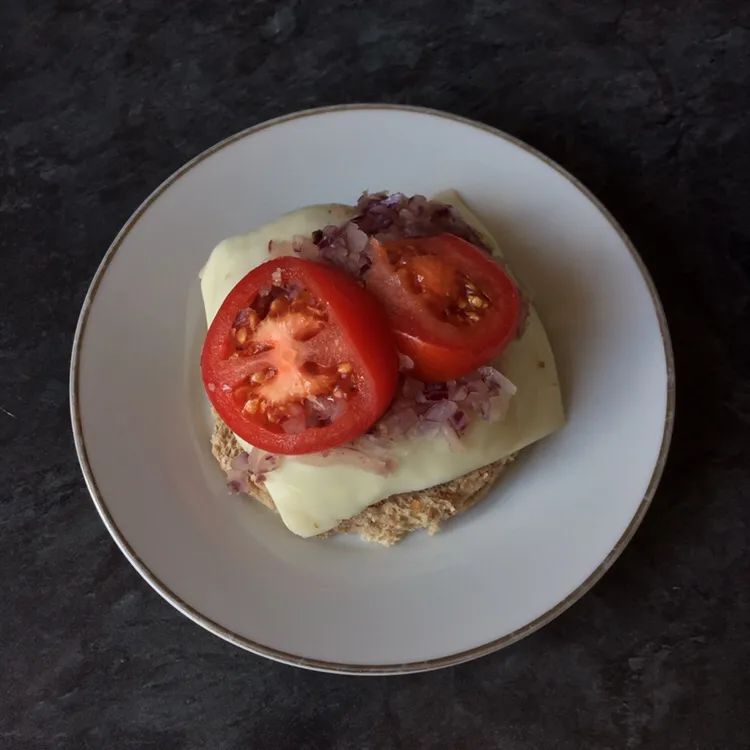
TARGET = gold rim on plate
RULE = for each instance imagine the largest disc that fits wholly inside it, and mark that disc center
(317, 664)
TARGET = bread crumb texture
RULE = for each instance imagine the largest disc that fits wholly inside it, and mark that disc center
(389, 520)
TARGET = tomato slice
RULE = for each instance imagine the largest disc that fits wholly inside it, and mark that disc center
(451, 306)
(299, 358)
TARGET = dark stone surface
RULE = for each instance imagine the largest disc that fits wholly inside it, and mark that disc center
(647, 102)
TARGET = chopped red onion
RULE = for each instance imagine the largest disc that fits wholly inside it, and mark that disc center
(304, 247)
(434, 392)
(425, 428)
(247, 467)
(499, 405)
(494, 377)
(460, 392)
(295, 423)
(346, 246)
(405, 363)
(394, 215)
(453, 437)
(441, 411)
(261, 462)
(423, 408)
(459, 421)
(396, 421)
(383, 215)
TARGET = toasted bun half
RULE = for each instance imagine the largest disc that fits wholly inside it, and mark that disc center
(389, 520)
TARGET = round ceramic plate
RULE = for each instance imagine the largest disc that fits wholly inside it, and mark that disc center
(544, 535)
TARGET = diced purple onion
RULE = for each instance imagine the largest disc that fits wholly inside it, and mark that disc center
(394, 215)
(405, 363)
(441, 411)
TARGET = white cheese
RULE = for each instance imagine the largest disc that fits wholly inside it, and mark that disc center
(313, 499)
(235, 257)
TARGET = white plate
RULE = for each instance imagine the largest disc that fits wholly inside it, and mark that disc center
(546, 534)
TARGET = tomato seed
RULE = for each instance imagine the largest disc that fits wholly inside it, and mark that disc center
(345, 368)
(259, 347)
(241, 336)
(476, 301)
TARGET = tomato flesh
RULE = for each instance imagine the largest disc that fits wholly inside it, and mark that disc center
(452, 307)
(299, 358)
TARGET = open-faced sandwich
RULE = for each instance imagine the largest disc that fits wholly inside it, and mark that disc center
(372, 368)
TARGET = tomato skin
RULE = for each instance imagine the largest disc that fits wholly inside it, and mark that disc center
(357, 331)
(436, 363)
(443, 350)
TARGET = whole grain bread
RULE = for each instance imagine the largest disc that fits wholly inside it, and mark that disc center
(391, 519)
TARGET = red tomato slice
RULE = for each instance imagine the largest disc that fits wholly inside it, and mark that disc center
(299, 358)
(451, 306)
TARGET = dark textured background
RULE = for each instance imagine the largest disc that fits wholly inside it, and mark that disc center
(647, 102)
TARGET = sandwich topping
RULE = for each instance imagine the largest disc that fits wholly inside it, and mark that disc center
(299, 358)
(419, 410)
(360, 352)
(452, 308)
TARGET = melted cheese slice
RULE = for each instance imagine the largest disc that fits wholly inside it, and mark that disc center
(313, 499)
